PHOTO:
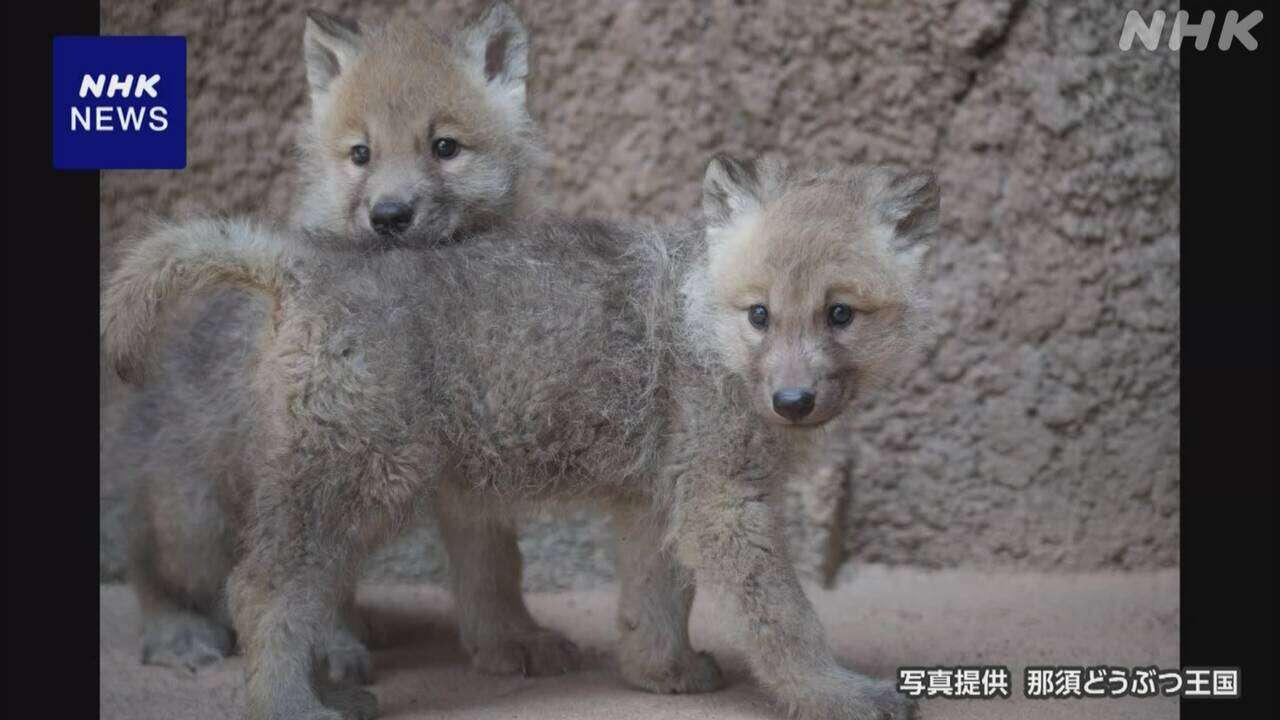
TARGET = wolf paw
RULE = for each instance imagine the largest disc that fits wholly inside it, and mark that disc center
(348, 664)
(849, 696)
(350, 702)
(185, 641)
(690, 672)
(538, 653)
(343, 656)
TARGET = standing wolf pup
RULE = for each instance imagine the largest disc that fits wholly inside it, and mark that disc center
(674, 376)
(413, 139)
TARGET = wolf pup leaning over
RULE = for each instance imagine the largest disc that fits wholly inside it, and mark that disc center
(413, 139)
(672, 375)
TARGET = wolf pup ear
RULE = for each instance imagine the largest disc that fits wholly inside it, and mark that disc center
(330, 45)
(731, 187)
(910, 204)
(497, 46)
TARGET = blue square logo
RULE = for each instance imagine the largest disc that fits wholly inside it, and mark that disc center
(119, 102)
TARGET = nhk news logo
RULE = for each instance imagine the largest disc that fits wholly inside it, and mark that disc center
(119, 102)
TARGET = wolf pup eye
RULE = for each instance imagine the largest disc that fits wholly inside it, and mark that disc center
(840, 315)
(758, 315)
(360, 154)
(444, 148)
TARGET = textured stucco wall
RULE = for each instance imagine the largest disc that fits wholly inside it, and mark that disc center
(1040, 428)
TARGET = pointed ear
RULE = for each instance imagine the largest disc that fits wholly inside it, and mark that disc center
(330, 46)
(910, 204)
(732, 187)
(496, 45)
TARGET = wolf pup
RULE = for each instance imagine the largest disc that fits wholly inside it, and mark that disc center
(674, 376)
(413, 139)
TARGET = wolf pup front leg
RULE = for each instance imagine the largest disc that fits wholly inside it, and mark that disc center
(486, 567)
(653, 609)
(728, 531)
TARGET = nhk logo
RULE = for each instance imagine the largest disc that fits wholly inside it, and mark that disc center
(1234, 29)
(119, 102)
(102, 118)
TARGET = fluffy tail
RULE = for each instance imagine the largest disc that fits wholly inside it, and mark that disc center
(174, 261)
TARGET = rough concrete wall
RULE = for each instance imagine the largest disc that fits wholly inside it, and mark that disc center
(1040, 428)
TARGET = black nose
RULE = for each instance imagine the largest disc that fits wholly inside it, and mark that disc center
(390, 216)
(793, 403)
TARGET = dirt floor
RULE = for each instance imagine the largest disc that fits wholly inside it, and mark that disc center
(878, 619)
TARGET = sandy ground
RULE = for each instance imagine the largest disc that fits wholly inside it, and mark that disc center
(878, 619)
